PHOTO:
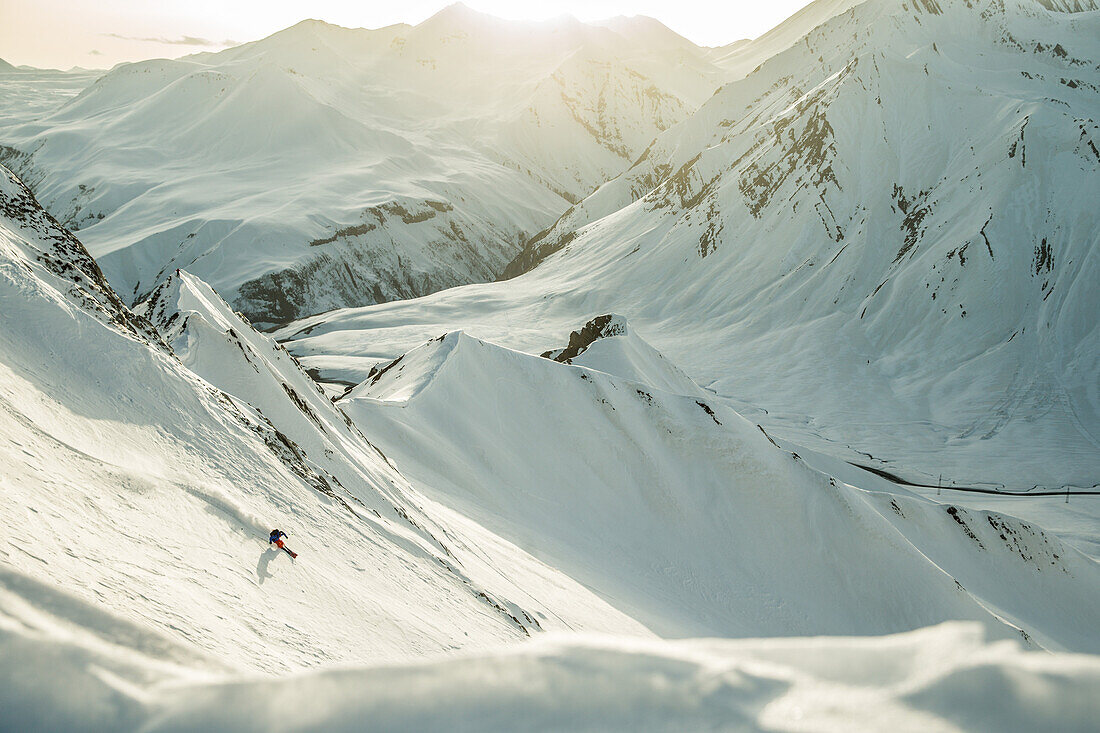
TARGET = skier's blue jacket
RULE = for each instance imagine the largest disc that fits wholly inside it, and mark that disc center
(275, 535)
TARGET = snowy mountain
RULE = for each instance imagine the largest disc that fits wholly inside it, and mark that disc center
(325, 167)
(677, 469)
(608, 344)
(133, 484)
(880, 243)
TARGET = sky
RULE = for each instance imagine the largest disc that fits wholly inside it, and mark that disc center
(99, 34)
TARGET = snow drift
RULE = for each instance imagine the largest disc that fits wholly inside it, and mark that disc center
(946, 678)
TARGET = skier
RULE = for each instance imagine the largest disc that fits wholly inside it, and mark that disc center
(276, 539)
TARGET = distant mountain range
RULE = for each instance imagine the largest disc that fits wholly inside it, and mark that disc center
(326, 167)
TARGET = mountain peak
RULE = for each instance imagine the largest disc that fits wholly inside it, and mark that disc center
(459, 14)
(632, 21)
(644, 29)
(312, 25)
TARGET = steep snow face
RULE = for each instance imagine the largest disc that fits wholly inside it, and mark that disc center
(947, 678)
(678, 511)
(134, 485)
(325, 167)
(883, 236)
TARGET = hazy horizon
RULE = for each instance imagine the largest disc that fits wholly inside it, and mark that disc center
(62, 34)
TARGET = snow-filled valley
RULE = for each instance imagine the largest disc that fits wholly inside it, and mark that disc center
(667, 456)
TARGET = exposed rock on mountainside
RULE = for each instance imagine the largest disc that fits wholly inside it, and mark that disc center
(56, 249)
(599, 327)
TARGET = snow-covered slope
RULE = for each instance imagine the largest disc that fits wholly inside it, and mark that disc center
(324, 167)
(677, 510)
(885, 237)
(136, 592)
(132, 484)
